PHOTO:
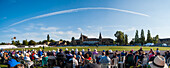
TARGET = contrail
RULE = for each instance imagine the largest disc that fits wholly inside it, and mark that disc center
(75, 10)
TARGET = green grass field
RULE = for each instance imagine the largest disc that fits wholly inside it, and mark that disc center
(100, 48)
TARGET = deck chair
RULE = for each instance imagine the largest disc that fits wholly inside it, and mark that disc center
(168, 61)
(144, 62)
(28, 64)
(115, 64)
(105, 66)
(122, 62)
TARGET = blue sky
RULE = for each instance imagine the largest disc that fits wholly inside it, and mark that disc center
(63, 19)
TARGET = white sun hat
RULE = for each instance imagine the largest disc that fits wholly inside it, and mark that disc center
(77, 49)
(158, 62)
(110, 51)
(83, 50)
(72, 49)
(66, 48)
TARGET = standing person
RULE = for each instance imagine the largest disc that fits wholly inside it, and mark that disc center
(40, 53)
(43, 47)
(105, 61)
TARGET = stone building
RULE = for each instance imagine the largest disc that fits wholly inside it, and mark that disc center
(84, 40)
(165, 40)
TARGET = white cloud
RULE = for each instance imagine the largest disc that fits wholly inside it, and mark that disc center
(11, 30)
(49, 28)
(78, 9)
(130, 29)
(80, 29)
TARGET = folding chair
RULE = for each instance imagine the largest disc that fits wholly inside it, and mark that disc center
(144, 62)
(122, 63)
(115, 63)
(168, 61)
(105, 66)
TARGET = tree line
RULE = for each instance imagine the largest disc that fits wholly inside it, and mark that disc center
(121, 39)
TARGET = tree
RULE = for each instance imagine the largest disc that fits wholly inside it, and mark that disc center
(136, 37)
(39, 42)
(114, 42)
(120, 38)
(155, 39)
(32, 42)
(132, 42)
(142, 38)
(52, 41)
(44, 41)
(149, 38)
(3, 43)
(126, 39)
(13, 42)
(68, 43)
(17, 43)
(48, 38)
(25, 42)
(72, 39)
(61, 39)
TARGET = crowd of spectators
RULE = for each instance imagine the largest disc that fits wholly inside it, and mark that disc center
(85, 59)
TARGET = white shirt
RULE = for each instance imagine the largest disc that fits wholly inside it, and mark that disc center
(75, 62)
(105, 60)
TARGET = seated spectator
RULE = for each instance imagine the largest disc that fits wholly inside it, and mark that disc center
(129, 60)
(13, 63)
(83, 53)
(40, 53)
(93, 65)
(60, 58)
(28, 60)
(123, 53)
(66, 51)
(74, 60)
(157, 51)
(5, 57)
(95, 55)
(80, 57)
(158, 62)
(69, 55)
(76, 51)
(89, 52)
(110, 54)
(103, 54)
(44, 59)
(151, 55)
(105, 60)
(88, 59)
